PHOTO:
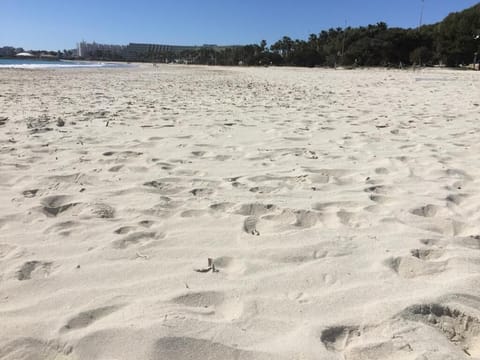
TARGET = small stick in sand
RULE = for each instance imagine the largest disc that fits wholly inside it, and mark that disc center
(141, 256)
(211, 267)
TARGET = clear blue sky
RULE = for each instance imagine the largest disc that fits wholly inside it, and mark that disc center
(60, 24)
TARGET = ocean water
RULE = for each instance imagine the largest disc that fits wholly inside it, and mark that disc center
(55, 64)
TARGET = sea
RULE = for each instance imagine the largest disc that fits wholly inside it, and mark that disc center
(55, 64)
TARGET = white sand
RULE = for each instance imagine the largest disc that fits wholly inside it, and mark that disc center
(340, 208)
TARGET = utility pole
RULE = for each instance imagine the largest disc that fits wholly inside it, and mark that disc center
(420, 22)
(421, 14)
(477, 38)
(343, 43)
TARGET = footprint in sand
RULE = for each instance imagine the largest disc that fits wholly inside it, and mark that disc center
(164, 188)
(378, 189)
(168, 203)
(86, 318)
(431, 242)
(193, 213)
(253, 212)
(256, 209)
(6, 249)
(164, 165)
(337, 338)
(460, 328)
(263, 189)
(300, 255)
(198, 153)
(203, 299)
(222, 157)
(427, 254)
(230, 265)
(417, 264)
(418, 328)
(124, 155)
(53, 206)
(135, 239)
(221, 207)
(186, 348)
(366, 343)
(28, 348)
(116, 168)
(456, 199)
(250, 225)
(426, 211)
(98, 210)
(469, 242)
(146, 223)
(306, 219)
(458, 174)
(211, 303)
(124, 230)
(382, 171)
(202, 192)
(34, 270)
(303, 219)
(63, 228)
(30, 193)
(380, 199)
(321, 250)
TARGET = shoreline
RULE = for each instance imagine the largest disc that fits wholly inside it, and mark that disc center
(146, 64)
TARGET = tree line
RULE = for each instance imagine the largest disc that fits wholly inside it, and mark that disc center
(451, 42)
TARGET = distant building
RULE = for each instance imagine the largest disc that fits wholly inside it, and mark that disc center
(8, 51)
(137, 51)
(98, 51)
(153, 52)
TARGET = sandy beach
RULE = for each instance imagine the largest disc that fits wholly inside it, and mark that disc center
(183, 212)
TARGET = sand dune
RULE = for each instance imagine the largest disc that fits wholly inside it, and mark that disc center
(339, 211)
